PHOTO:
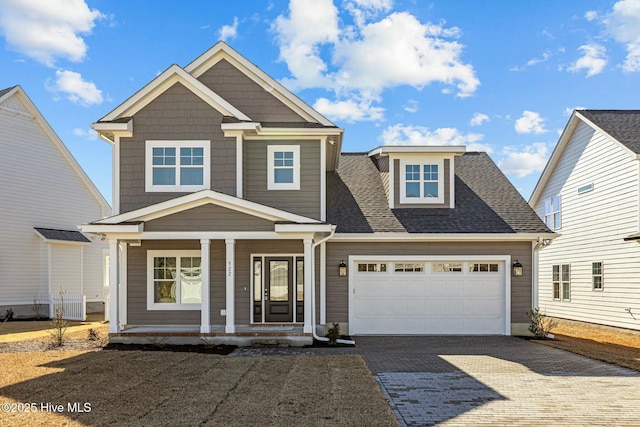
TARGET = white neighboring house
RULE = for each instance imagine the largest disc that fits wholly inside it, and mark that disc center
(589, 194)
(44, 196)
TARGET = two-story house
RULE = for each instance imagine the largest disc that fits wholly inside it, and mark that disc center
(42, 203)
(589, 194)
(238, 217)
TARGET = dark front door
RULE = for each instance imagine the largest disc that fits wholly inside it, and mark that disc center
(278, 289)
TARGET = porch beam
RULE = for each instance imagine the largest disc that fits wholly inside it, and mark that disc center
(114, 294)
(205, 310)
(308, 288)
(230, 268)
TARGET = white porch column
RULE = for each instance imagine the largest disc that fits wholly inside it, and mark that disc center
(114, 294)
(205, 310)
(230, 268)
(308, 288)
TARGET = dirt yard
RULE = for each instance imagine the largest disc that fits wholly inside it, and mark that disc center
(169, 388)
(614, 346)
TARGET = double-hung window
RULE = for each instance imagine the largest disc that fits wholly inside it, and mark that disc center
(177, 166)
(552, 213)
(174, 280)
(283, 167)
(596, 276)
(561, 279)
(421, 181)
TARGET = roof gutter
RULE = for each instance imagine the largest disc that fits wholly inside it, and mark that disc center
(313, 292)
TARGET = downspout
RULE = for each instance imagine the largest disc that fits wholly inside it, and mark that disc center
(535, 261)
(313, 292)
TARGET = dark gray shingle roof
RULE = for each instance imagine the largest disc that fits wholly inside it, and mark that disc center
(65, 235)
(623, 125)
(486, 202)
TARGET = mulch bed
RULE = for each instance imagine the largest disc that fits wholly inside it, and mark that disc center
(185, 348)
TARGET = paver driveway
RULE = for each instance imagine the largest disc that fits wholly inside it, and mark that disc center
(503, 381)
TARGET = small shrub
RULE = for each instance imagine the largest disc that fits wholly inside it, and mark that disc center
(37, 305)
(59, 325)
(93, 335)
(333, 334)
(541, 325)
(8, 315)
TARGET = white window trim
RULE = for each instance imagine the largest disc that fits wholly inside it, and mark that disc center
(561, 283)
(151, 304)
(148, 166)
(271, 184)
(421, 200)
(601, 288)
(551, 213)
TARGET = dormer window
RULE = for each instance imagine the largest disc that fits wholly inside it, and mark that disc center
(177, 166)
(421, 181)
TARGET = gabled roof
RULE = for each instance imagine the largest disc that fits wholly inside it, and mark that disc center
(621, 126)
(18, 93)
(486, 202)
(203, 197)
(173, 74)
(222, 50)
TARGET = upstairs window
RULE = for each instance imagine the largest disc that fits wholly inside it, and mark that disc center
(283, 167)
(177, 166)
(552, 213)
(421, 181)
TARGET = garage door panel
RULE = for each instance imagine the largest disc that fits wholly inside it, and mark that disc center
(429, 302)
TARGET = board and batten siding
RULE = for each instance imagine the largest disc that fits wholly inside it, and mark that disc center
(594, 225)
(306, 201)
(39, 189)
(338, 287)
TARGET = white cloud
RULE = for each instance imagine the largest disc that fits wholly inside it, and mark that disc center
(76, 89)
(359, 63)
(530, 122)
(568, 111)
(89, 133)
(524, 161)
(229, 31)
(400, 134)
(594, 60)
(623, 23)
(47, 30)
(411, 106)
(478, 119)
(349, 110)
(590, 15)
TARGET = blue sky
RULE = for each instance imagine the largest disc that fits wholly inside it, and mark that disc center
(497, 76)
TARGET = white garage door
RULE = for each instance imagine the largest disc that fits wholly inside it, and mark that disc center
(428, 297)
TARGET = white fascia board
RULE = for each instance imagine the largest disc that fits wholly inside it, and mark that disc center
(303, 228)
(202, 197)
(222, 50)
(417, 149)
(251, 130)
(211, 235)
(168, 78)
(112, 228)
(240, 127)
(449, 237)
(122, 129)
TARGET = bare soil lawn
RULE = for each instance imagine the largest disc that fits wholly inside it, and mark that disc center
(169, 388)
(39, 330)
(614, 346)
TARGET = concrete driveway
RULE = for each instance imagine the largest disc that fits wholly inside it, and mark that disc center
(502, 381)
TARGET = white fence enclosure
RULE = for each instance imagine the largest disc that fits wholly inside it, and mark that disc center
(72, 306)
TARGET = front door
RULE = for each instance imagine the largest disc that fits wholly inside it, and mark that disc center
(278, 290)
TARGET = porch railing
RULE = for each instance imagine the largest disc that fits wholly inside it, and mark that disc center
(72, 306)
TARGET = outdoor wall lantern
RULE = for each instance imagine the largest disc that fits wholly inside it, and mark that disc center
(342, 269)
(517, 268)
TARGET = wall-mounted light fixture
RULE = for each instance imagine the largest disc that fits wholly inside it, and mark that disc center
(517, 268)
(342, 269)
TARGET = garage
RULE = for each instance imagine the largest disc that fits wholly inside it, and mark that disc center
(429, 296)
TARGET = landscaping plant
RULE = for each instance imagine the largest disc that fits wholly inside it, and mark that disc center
(59, 324)
(333, 334)
(541, 325)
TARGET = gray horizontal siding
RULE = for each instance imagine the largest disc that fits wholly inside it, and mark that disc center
(177, 114)
(246, 95)
(305, 201)
(209, 218)
(338, 287)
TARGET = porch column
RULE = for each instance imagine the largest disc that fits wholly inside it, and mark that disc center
(114, 294)
(230, 328)
(308, 289)
(205, 310)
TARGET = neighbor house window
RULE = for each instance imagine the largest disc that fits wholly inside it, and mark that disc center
(422, 181)
(596, 276)
(552, 213)
(561, 279)
(174, 280)
(283, 167)
(177, 166)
